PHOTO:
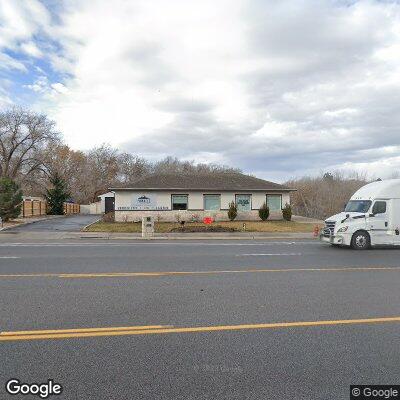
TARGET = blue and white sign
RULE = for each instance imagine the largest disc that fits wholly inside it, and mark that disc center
(145, 201)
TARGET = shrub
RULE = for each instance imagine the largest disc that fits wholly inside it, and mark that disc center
(263, 212)
(232, 211)
(10, 199)
(287, 212)
(110, 217)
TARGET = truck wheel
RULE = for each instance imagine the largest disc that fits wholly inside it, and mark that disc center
(360, 241)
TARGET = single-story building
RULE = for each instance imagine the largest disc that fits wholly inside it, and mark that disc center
(191, 197)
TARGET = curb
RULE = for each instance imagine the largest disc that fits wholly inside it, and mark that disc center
(87, 226)
(108, 236)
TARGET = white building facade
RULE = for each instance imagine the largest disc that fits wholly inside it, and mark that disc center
(192, 198)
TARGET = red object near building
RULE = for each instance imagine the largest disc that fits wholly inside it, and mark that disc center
(208, 220)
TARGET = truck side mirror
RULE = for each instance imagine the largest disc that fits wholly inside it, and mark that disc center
(372, 215)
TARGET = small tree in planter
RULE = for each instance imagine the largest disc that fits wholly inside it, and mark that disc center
(232, 211)
(10, 199)
(263, 212)
(287, 212)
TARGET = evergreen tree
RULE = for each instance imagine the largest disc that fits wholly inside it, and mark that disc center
(263, 212)
(10, 199)
(57, 195)
(287, 212)
(232, 211)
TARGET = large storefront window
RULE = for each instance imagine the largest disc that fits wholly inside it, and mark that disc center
(274, 202)
(243, 202)
(179, 201)
(212, 202)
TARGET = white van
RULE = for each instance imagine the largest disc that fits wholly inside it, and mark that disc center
(370, 218)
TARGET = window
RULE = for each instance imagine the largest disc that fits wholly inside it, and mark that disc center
(361, 206)
(274, 202)
(243, 202)
(379, 207)
(212, 202)
(179, 201)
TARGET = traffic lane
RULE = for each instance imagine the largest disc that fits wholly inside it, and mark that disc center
(197, 300)
(299, 363)
(124, 258)
(183, 257)
(72, 223)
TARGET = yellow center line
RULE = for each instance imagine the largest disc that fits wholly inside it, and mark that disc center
(182, 273)
(122, 328)
(141, 331)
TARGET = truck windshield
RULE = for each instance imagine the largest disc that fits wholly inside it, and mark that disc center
(361, 206)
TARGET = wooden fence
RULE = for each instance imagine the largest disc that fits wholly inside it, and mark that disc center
(71, 208)
(35, 208)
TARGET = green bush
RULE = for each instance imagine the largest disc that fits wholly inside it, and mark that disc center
(287, 212)
(10, 199)
(232, 211)
(263, 212)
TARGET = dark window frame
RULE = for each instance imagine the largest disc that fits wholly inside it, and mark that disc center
(211, 194)
(180, 194)
(273, 194)
(245, 194)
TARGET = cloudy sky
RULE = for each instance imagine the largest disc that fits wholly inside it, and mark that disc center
(277, 88)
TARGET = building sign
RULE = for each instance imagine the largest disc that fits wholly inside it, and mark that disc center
(144, 202)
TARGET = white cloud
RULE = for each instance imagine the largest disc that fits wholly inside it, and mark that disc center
(31, 49)
(282, 87)
(20, 20)
(7, 62)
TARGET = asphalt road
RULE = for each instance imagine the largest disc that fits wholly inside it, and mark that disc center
(190, 314)
(72, 223)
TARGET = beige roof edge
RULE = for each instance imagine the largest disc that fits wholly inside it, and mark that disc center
(210, 189)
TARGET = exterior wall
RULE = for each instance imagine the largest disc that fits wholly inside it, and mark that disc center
(126, 198)
(190, 216)
(92, 208)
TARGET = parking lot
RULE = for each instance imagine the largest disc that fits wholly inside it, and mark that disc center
(274, 319)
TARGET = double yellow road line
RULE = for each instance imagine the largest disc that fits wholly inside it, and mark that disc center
(163, 329)
(189, 273)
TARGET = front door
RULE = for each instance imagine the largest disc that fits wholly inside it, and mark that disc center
(379, 223)
(109, 204)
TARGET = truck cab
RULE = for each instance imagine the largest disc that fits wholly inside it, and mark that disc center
(370, 218)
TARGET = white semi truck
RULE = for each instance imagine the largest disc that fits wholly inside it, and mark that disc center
(370, 218)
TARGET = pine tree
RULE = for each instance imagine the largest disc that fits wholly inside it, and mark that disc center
(57, 195)
(10, 199)
(232, 211)
(263, 212)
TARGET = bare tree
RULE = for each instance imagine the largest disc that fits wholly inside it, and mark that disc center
(172, 165)
(23, 136)
(103, 169)
(131, 168)
(324, 195)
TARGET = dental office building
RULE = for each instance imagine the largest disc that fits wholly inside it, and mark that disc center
(191, 197)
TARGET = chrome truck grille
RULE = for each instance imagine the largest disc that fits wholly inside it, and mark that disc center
(329, 228)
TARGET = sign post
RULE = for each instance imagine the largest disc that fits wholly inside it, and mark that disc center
(147, 227)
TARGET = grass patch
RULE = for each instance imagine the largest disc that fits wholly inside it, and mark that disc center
(165, 227)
